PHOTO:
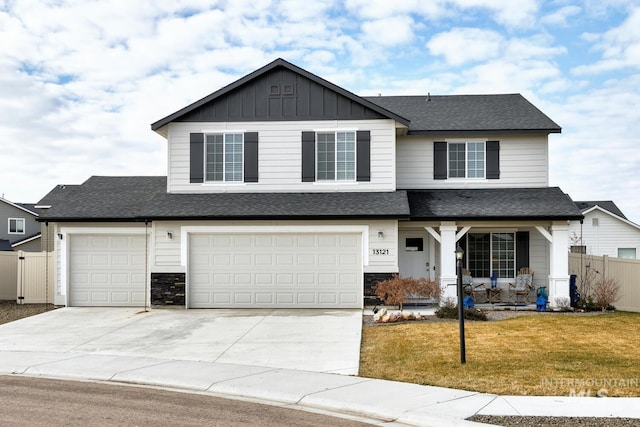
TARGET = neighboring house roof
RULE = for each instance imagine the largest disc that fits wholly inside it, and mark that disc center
(24, 240)
(26, 207)
(5, 245)
(610, 210)
(607, 205)
(278, 63)
(140, 198)
(547, 203)
(458, 114)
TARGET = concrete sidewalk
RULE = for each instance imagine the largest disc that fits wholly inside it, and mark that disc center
(382, 402)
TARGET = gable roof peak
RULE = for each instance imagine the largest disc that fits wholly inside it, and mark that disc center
(278, 63)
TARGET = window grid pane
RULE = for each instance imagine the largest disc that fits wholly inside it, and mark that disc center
(233, 157)
(503, 254)
(475, 160)
(479, 248)
(456, 160)
(16, 225)
(346, 156)
(326, 156)
(214, 158)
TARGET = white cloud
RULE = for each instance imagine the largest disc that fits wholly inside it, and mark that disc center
(388, 32)
(512, 14)
(561, 16)
(463, 45)
(619, 46)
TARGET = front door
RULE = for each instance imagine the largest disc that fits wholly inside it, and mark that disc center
(413, 259)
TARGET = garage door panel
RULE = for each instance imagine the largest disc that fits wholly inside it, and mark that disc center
(106, 270)
(271, 269)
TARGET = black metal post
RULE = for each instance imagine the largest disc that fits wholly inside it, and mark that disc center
(463, 356)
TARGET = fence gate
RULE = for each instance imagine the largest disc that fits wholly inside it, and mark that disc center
(35, 283)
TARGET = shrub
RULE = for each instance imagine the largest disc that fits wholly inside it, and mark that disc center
(397, 290)
(451, 312)
(606, 292)
(587, 304)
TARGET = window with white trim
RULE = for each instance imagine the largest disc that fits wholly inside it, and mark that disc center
(224, 157)
(336, 156)
(629, 253)
(467, 160)
(16, 225)
(490, 253)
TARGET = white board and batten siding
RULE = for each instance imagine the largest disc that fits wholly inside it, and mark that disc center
(280, 156)
(524, 162)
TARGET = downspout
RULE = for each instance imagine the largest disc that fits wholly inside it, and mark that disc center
(146, 262)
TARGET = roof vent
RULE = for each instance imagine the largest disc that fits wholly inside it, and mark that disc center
(428, 96)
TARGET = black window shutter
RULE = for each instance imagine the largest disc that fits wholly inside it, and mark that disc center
(522, 250)
(493, 159)
(363, 153)
(308, 156)
(251, 157)
(439, 160)
(196, 157)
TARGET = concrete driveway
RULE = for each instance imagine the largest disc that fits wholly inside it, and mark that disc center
(310, 340)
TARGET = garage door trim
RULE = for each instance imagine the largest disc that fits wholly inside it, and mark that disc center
(65, 250)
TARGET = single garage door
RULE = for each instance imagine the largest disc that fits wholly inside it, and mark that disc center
(305, 270)
(106, 270)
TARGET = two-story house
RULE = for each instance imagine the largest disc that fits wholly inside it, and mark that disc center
(19, 229)
(285, 190)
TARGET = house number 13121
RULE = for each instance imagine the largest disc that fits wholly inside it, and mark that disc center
(380, 251)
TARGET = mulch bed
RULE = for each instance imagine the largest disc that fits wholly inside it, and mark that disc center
(10, 311)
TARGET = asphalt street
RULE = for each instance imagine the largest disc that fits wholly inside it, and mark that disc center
(26, 401)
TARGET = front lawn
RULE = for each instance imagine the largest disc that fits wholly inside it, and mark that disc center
(543, 354)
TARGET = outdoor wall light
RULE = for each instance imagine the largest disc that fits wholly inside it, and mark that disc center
(169, 234)
(380, 234)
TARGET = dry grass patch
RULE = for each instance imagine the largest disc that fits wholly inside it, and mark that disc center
(528, 355)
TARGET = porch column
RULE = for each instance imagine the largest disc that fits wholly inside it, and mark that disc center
(559, 268)
(448, 275)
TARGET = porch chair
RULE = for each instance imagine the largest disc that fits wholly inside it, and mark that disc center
(522, 289)
(472, 290)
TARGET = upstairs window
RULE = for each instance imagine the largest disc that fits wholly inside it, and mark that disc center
(336, 156)
(224, 157)
(467, 160)
(16, 225)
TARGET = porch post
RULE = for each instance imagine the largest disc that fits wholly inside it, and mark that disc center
(559, 268)
(448, 275)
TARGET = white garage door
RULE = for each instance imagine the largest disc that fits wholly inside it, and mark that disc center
(106, 270)
(275, 270)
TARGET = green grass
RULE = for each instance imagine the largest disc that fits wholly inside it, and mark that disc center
(530, 355)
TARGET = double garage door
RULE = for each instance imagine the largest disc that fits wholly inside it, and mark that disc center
(304, 270)
(106, 270)
(258, 270)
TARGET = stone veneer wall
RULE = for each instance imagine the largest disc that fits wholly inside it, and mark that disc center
(168, 289)
(370, 280)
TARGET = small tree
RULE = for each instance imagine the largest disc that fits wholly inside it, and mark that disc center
(397, 290)
(605, 292)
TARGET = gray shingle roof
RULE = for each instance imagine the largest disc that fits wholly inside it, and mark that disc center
(468, 113)
(604, 204)
(548, 203)
(139, 198)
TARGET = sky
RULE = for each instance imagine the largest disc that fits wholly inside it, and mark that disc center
(81, 80)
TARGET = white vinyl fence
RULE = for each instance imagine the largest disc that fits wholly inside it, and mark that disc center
(625, 271)
(23, 277)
